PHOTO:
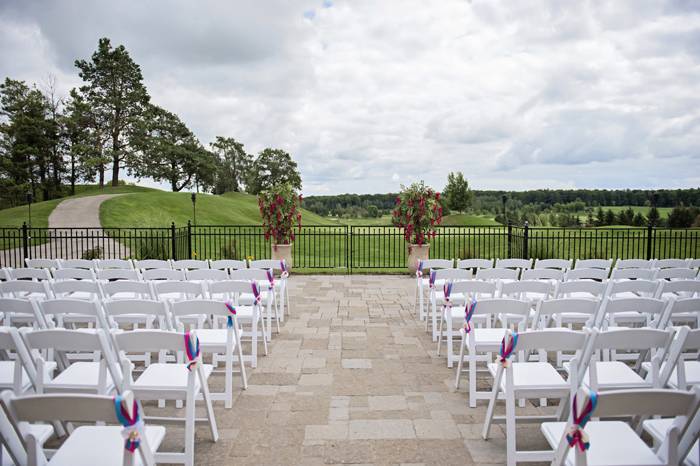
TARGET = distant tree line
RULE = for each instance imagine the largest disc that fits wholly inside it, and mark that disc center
(48, 144)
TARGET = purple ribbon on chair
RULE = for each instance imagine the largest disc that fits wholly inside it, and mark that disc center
(232, 310)
(256, 292)
(508, 347)
(192, 349)
(468, 313)
(131, 422)
(576, 436)
(447, 290)
(283, 267)
(433, 276)
(419, 269)
(270, 278)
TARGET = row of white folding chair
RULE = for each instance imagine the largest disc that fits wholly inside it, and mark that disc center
(88, 444)
(144, 264)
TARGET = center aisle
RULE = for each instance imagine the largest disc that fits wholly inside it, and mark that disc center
(352, 379)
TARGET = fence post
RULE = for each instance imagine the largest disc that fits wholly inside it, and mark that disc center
(347, 250)
(526, 254)
(189, 239)
(25, 243)
(650, 234)
(173, 241)
(348, 246)
(510, 239)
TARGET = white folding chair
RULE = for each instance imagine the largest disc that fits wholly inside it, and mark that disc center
(74, 274)
(681, 368)
(676, 274)
(76, 264)
(437, 280)
(58, 312)
(167, 290)
(41, 263)
(566, 312)
(226, 264)
(111, 275)
(632, 274)
(30, 274)
(581, 289)
(265, 282)
(474, 264)
(632, 288)
(518, 264)
(18, 374)
(681, 311)
(477, 341)
(501, 275)
(78, 289)
(170, 381)
(22, 311)
(101, 376)
(554, 275)
(206, 275)
(163, 274)
(87, 445)
(217, 341)
(614, 441)
(688, 446)
(525, 379)
(422, 281)
(453, 311)
(668, 289)
(26, 289)
(615, 312)
(561, 264)
(127, 289)
(634, 264)
(231, 291)
(672, 263)
(589, 273)
(532, 291)
(103, 264)
(279, 280)
(189, 264)
(603, 264)
(146, 264)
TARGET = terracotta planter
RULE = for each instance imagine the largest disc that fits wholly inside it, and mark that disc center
(283, 251)
(417, 252)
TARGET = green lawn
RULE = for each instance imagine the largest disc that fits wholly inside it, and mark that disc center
(663, 211)
(448, 220)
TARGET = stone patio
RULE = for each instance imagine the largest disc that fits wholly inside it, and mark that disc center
(352, 379)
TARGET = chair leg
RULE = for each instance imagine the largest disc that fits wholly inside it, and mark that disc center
(264, 333)
(492, 404)
(460, 362)
(449, 350)
(254, 344)
(228, 379)
(189, 426)
(510, 428)
(433, 311)
(472, 377)
(239, 350)
(210, 408)
(439, 336)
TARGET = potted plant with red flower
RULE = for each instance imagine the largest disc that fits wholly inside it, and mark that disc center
(280, 209)
(418, 212)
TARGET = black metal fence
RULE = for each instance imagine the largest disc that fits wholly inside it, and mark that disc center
(345, 248)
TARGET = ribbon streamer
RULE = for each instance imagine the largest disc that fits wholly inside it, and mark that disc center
(447, 290)
(283, 267)
(468, 313)
(270, 278)
(419, 269)
(576, 436)
(507, 349)
(192, 349)
(232, 310)
(433, 276)
(132, 423)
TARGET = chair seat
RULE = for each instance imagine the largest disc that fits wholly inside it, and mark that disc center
(81, 375)
(657, 428)
(80, 447)
(533, 376)
(613, 443)
(614, 374)
(168, 377)
(212, 339)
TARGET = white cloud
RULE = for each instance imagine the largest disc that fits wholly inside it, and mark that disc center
(364, 94)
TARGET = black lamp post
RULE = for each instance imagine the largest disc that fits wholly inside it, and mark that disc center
(504, 198)
(194, 208)
(30, 198)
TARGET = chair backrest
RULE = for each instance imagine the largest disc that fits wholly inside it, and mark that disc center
(206, 274)
(474, 263)
(190, 264)
(264, 264)
(686, 288)
(61, 339)
(676, 274)
(639, 287)
(199, 306)
(114, 264)
(632, 274)
(513, 263)
(163, 274)
(542, 274)
(249, 274)
(145, 264)
(76, 264)
(75, 288)
(139, 307)
(451, 274)
(586, 274)
(73, 274)
(475, 288)
(72, 407)
(604, 264)
(550, 307)
(594, 288)
(223, 264)
(23, 307)
(228, 289)
(140, 341)
(519, 289)
(60, 307)
(497, 274)
(634, 264)
(681, 306)
(494, 306)
(24, 288)
(118, 274)
(561, 264)
(671, 263)
(41, 263)
(551, 339)
(632, 339)
(30, 274)
(650, 307)
(168, 289)
(127, 289)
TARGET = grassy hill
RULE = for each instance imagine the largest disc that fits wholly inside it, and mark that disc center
(14, 216)
(160, 208)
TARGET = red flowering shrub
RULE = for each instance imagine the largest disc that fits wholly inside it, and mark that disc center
(418, 212)
(280, 209)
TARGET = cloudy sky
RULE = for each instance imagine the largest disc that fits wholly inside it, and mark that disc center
(367, 95)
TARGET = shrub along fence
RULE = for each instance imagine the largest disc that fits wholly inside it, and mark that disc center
(345, 248)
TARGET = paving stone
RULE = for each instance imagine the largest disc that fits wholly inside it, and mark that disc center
(381, 429)
(387, 403)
